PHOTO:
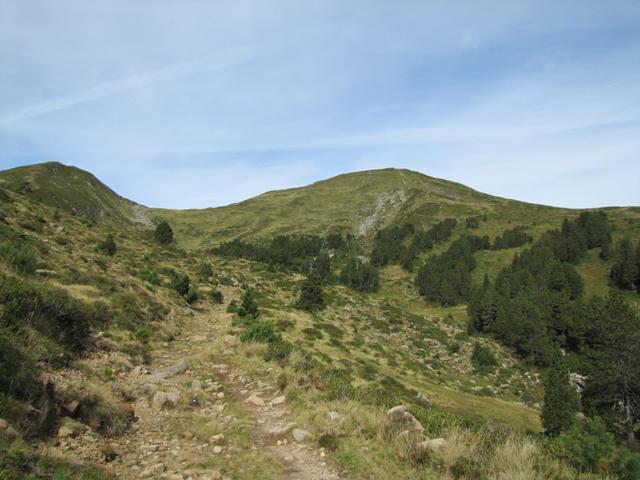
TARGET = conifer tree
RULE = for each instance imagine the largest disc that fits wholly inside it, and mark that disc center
(163, 233)
(311, 298)
(561, 401)
(108, 245)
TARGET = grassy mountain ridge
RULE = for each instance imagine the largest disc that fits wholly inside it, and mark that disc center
(380, 346)
(72, 190)
(357, 203)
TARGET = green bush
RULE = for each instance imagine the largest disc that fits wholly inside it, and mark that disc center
(233, 306)
(205, 271)
(627, 464)
(260, 332)
(163, 233)
(192, 295)
(482, 359)
(249, 307)
(278, 351)
(217, 297)
(108, 246)
(180, 283)
(587, 444)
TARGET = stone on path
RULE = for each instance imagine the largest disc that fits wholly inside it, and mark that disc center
(163, 373)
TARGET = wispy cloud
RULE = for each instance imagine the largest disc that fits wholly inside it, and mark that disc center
(138, 80)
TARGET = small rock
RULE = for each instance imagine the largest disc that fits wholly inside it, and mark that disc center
(196, 385)
(278, 400)
(255, 400)
(333, 416)
(433, 444)
(217, 439)
(300, 435)
(423, 399)
(217, 449)
(220, 395)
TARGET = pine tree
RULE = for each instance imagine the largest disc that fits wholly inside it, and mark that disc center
(561, 401)
(625, 272)
(108, 245)
(613, 388)
(311, 298)
(249, 307)
(163, 233)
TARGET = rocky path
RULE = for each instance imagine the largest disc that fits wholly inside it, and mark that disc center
(189, 405)
(274, 431)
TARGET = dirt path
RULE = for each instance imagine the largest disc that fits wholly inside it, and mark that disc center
(186, 399)
(274, 431)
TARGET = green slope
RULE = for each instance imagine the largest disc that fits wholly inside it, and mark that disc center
(357, 203)
(72, 190)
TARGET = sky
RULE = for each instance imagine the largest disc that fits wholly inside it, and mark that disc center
(199, 103)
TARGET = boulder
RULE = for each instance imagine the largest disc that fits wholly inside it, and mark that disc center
(163, 373)
(300, 435)
(164, 400)
(400, 415)
(433, 444)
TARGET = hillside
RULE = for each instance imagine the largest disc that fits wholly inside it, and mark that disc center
(72, 190)
(357, 203)
(102, 330)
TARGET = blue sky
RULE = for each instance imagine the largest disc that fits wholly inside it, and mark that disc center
(193, 103)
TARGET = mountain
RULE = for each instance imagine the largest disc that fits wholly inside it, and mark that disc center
(116, 351)
(72, 190)
(358, 203)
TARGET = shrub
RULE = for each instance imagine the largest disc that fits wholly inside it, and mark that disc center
(278, 351)
(587, 444)
(180, 283)
(328, 441)
(192, 295)
(249, 308)
(260, 332)
(205, 271)
(143, 334)
(108, 246)
(163, 233)
(311, 298)
(627, 464)
(233, 306)
(217, 297)
(482, 359)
